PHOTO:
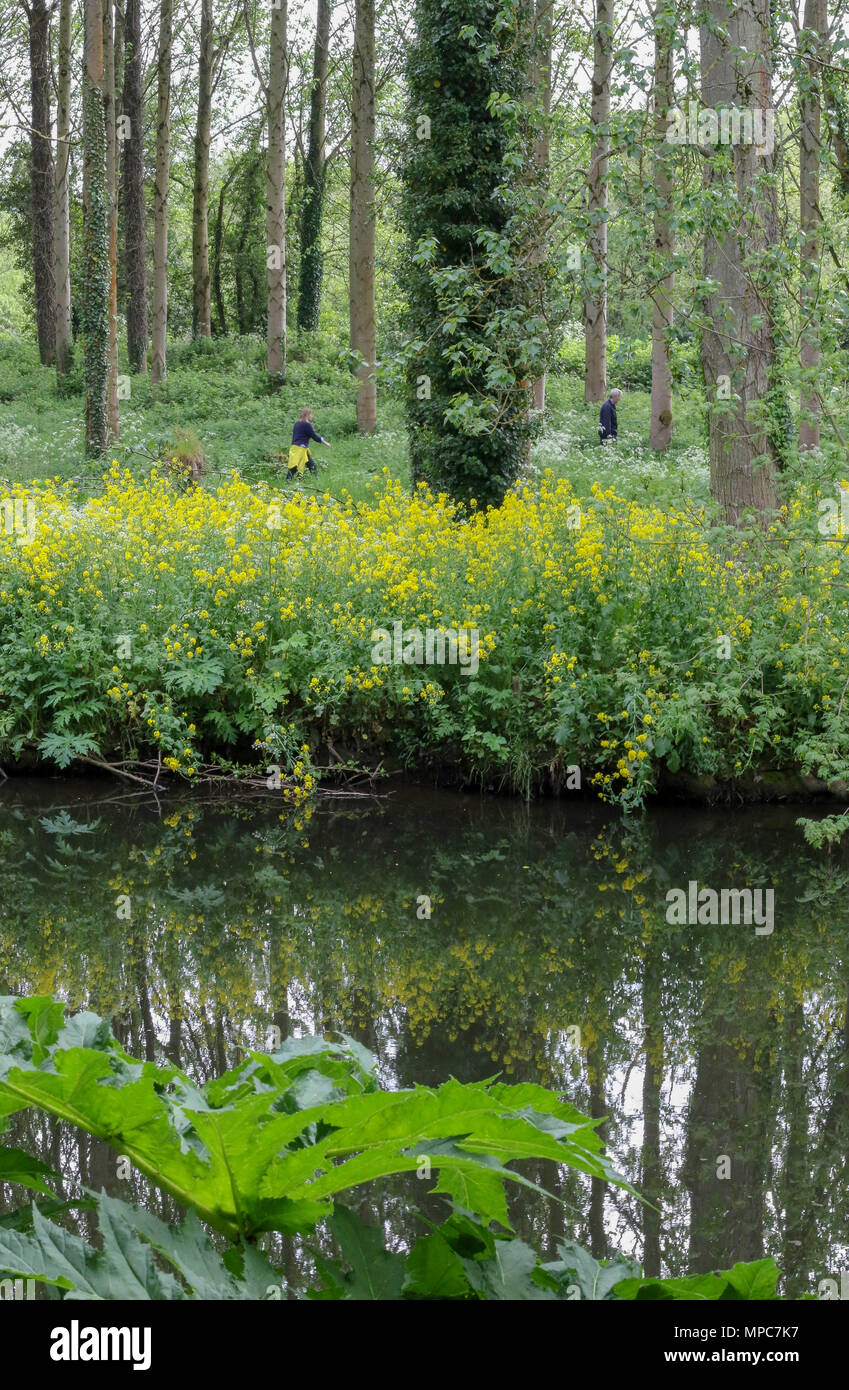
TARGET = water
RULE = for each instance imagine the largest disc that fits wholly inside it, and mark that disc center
(719, 1054)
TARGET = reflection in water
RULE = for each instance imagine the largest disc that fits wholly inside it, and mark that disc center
(720, 1055)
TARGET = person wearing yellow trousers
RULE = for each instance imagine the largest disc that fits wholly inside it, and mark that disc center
(303, 435)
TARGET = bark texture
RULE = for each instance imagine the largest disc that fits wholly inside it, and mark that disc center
(595, 303)
(362, 224)
(738, 341)
(135, 259)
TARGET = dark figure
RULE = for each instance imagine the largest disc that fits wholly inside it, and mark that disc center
(609, 426)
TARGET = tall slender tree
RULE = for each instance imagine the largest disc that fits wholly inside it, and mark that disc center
(160, 194)
(312, 263)
(663, 273)
(110, 117)
(738, 341)
(275, 200)
(62, 197)
(135, 259)
(595, 301)
(811, 45)
(96, 267)
(201, 296)
(361, 294)
(541, 50)
(42, 177)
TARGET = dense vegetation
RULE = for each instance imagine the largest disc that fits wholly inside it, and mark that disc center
(267, 1147)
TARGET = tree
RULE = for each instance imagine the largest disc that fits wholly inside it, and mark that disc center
(201, 300)
(595, 302)
(361, 298)
(135, 259)
(738, 339)
(472, 325)
(811, 42)
(275, 198)
(663, 276)
(312, 265)
(543, 37)
(38, 21)
(61, 197)
(96, 266)
(160, 194)
(109, 113)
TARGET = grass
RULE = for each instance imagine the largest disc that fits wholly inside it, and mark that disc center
(218, 391)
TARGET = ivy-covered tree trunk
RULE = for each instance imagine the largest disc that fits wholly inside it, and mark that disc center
(312, 264)
(110, 117)
(595, 301)
(201, 302)
(811, 42)
(543, 38)
(135, 258)
(468, 383)
(738, 340)
(160, 195)
(96, 268)
(275, 196)
(41, 168)
(363, 315)
(662, 272)
(61, 197)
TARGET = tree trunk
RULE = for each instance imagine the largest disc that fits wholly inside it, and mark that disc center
(363, 316)
(201, 306)
(221, 326)
(41, 146)
(160, 195)
(595, 302)
(651, 1177)
(96, 267)
(738, 347)
(543, 40)
(660, 429)
(112, 197)
(135, 260)
(309, 287)
(810, 151)
(62, 200)
(275, 195)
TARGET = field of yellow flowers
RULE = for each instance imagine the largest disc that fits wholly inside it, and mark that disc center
(616, 640)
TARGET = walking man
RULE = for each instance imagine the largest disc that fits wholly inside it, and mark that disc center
(609, 427)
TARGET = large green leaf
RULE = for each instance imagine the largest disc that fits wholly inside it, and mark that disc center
(270, 1144)
(750, 1282)
(595, 1281)
(127, 1267)
(16, 1166)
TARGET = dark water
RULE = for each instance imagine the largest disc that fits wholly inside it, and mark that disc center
(720, 1053)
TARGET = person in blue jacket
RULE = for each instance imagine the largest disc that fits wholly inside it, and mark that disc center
(303, 435)
(609, 427)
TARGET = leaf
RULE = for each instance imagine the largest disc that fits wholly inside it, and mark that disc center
(16, 1166)
(269, 1145)
(374, 1272)
(595, 1280)
(434, 1270)
(506, 1277)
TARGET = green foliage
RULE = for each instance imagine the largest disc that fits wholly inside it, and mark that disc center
(267, 1146)
(474, 341)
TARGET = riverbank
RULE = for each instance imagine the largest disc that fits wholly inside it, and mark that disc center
(564, 643)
